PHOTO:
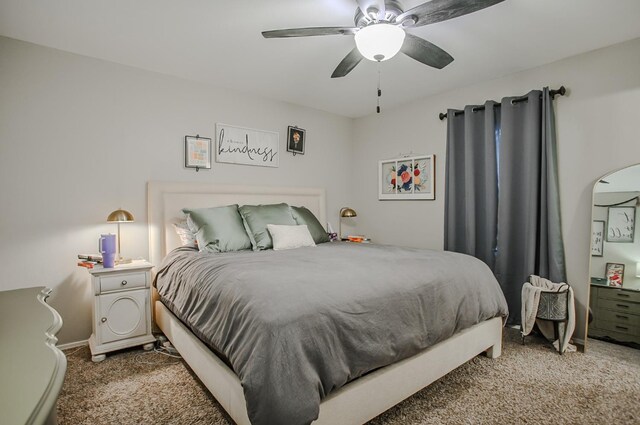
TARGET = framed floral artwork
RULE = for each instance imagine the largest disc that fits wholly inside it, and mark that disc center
(407, 178)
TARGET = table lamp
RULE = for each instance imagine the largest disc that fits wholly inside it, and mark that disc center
(345, 212)
(120, 216)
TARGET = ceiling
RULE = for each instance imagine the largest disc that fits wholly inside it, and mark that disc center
(219, 43)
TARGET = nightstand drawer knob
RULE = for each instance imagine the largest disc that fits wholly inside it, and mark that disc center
(124, 282)
(104, 319)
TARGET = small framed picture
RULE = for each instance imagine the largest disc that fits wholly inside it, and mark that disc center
(197, 152)
(622, 223)
(295, 140)
(614, 274)
(597, 238)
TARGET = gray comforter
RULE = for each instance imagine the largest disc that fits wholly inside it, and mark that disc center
(296, 325)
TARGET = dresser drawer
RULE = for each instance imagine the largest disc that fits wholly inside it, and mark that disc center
(620, 328)
(617, 336)
(593, 298)
(618, 317)
(123, 281)
(622, 306)
(619, 294)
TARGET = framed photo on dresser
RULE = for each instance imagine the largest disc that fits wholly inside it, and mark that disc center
(614, 273)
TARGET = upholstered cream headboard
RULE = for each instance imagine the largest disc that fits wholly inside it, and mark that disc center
(165, 201)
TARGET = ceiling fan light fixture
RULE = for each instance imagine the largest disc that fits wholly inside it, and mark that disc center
(379, 42)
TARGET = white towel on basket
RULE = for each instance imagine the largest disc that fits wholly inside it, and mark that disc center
(531, 299)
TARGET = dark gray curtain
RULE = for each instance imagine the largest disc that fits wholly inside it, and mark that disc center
(527, 236)
(529, 229)
(471, 182)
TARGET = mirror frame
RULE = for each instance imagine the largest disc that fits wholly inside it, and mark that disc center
(593, 199)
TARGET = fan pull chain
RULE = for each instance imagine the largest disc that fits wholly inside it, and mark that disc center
(379, 90)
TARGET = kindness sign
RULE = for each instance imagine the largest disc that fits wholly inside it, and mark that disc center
(246, 146)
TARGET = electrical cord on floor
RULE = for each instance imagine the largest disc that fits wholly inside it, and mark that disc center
(74, 351)
(165, 352)
(162, 346)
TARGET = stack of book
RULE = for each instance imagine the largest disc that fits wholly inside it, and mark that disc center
(358, 239)
(89, 260)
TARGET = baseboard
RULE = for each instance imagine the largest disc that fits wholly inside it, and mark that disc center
(73, 344)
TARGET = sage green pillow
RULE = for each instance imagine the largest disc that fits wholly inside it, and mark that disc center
(303, 216)
(218, 229)
(256, 218)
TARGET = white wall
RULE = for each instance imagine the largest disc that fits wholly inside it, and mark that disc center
(597, 127)
(81, 137)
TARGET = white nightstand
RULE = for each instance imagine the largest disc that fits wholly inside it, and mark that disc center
(121, 308)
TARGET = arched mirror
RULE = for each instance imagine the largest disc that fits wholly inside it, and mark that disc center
(614, 299)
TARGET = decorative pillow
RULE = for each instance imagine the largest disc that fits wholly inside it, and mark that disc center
(184, 233)
(290, 237)
(256, 218)
(303, 216)
(218, 229)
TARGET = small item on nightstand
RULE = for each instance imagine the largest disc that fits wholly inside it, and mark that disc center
(107, 247)
(87, 264)
(96, 258)
(357, 239)
(333, 236)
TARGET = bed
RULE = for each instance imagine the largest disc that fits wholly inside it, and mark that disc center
(367, 392)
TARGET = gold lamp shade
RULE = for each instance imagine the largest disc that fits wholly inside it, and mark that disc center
(120, 216)
(348, 212)
(345, 212)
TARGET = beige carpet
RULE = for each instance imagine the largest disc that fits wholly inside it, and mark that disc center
(529, 384)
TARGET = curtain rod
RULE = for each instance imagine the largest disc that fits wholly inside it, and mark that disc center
(561, 91)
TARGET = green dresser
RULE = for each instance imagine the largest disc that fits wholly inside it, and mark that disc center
(616, 313)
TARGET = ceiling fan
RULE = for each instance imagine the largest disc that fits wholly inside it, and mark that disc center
(380, 31)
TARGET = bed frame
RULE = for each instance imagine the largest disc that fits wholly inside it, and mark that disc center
(355, 403)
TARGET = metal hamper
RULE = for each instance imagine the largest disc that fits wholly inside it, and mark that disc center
(554, 306)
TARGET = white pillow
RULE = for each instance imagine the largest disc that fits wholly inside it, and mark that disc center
(290, 237)
(184, 233)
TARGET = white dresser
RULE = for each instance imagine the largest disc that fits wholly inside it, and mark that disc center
(32, 368)
(121, 308)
